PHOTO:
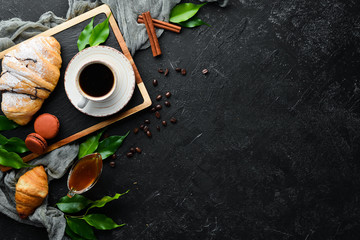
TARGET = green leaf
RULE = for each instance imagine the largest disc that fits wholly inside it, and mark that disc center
(81, 228)
(100, 33)
(6, 124)
(101, 222)
(184, 11)
(74, 204)
(11, 159)
(100, 203)
(71, 234)
(84, 36)
(13, 144)
(108, 146)
(90, 145)
(193, 22)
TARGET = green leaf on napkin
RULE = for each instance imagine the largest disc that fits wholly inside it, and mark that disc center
(108, 146)
(74, 204)
(184, 11)
(84, 36)
(100, 33)
(81, 228)
(6, 124)
(193, 22)
(13, 144)
(101, 222)
(90, 145)
(11, 159)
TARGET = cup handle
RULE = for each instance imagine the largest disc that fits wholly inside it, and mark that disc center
(82, 103)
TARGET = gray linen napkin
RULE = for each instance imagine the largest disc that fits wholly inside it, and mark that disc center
(57, 162)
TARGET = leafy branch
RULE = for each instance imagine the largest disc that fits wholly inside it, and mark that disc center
(184, 14)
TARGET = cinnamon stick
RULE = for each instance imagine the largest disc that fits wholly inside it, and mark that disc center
(154, 43)
(161, 24)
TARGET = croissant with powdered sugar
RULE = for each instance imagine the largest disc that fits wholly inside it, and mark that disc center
(30, 72)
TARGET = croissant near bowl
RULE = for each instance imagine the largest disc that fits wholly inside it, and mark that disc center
(30, 72)
(31, 189)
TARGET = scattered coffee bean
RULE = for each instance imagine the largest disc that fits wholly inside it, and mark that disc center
(142, 126)
(148, 133)
(136, 130)
(160, 70)
(106, 135)
(168, 94)
(155, 82)
(153, 109)
(129, 154)
(166, 72)
(205, 71)
(146, 128)
(164, 123)
(138, 150)
(167, 103)
(158, 98)
(178, 69)
(158, 107)
(183, 71)
(112, 164)
(113, 156)
(132, 150)
(173, 120)
(147, 121)
(157, 115)
(158, 128)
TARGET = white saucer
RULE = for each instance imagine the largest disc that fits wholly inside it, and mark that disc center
(124, 87)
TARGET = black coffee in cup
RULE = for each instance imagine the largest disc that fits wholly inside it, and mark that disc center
(96, 80)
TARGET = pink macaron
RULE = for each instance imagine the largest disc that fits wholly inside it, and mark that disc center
(36, 143)
(47, 125)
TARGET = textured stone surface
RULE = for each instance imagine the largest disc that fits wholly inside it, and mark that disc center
(267, 143)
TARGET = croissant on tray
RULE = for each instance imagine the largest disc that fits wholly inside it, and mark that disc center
(31, 190)
(30, 72)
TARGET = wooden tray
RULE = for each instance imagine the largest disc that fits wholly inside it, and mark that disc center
(74, 124)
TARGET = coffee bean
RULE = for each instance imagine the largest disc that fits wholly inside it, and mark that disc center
(160, 70)
(113, 156)
(138, 150)
(129, 154)
(158, 98)
(183, 71)
(167, 103)
(112, 164)
(158, 128)
(146, 128)
(147, 121)
(136, 130)
(106, 135)
(155, 82)
(178, 69)
(153, 109)
(158, 107)
(157, 115)
(168, 94)
(166, 72)
(142, 126)
(132, 150)
(164, 123)
(173, 120)
(148, 133)
(205, 71)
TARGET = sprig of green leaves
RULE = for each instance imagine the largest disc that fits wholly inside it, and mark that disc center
(94, 36)
(106, 147)
(80, 227)
(8, 152)
(6, 124)
(184, 14)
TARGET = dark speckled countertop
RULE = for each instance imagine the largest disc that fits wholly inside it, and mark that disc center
(267, 144)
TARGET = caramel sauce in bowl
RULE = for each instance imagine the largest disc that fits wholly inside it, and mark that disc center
(84, 174)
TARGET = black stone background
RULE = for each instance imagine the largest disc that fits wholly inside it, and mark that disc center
(266, 145)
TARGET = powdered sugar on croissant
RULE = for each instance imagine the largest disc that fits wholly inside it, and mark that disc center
(31, 68)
